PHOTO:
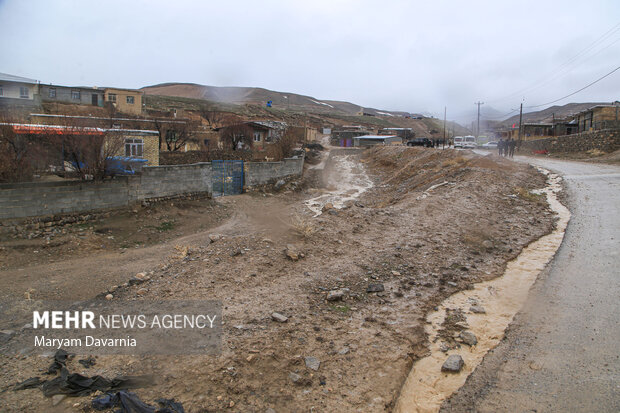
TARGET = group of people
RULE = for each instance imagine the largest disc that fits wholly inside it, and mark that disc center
(507, 147)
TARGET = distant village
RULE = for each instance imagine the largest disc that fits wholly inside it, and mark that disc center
(170, 135)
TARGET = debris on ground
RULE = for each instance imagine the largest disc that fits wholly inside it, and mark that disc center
(453, 364)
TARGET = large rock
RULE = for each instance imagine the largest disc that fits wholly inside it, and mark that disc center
(468, 338)
(312, 363)
(375, 288)
(453, 364)
(336, 295)
(279, 184)
(477, 309)
(279, 318)
(215, 237)
(327, 207)
(292, 252)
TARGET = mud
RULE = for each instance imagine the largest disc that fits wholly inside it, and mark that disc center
(421, 249)
(345, 179)
(427, 386)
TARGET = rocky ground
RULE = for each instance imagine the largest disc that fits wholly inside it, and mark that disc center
(353, 285)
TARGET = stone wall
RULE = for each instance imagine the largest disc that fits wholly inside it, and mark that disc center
(23, 200)
(604, 140)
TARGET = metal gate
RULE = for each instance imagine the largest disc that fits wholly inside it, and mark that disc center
(227, 177)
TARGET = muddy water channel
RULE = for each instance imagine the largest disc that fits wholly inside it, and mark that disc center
(427, 386)
(345, 180)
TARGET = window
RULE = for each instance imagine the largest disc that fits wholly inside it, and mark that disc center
(134, 147)
(1, 92)
(112, 97)
(75, 95)
(24, 92)
(256, 136)
(52, 92)
(130, 100)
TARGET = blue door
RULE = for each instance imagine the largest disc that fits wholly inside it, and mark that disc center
(227, 177)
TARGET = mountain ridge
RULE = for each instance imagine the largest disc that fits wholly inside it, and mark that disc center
(259, 96)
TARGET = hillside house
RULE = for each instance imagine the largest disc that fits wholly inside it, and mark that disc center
(76, 95)
(18, 91)
(137, 143)
(372, 140)
(405, 133)
(598, 117)
(125, 100)
(265, 132)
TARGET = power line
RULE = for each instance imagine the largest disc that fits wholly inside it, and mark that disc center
(575, 92)
(566, 65)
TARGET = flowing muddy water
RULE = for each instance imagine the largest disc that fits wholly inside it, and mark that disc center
(346, 179)
(427, 386)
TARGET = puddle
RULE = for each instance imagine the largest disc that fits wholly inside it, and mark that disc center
(346, 181)
(426, 386)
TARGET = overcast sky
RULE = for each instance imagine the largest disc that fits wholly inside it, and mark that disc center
(414, 56)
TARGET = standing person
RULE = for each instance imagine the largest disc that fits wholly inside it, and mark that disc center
(500, 146)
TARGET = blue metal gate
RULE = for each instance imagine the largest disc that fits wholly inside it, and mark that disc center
(227, 177)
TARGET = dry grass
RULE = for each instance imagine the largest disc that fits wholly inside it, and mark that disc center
(182, 251)
(303, 226)
(529, 196)
(458, 161)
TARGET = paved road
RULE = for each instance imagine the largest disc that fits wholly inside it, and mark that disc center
(562, 353)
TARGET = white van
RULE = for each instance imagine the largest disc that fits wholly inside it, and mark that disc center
(458, 141)
(469, 142)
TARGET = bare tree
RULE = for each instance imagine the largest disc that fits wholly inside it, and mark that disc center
(237, 136)
(211, 115)
(15, 154)
(89, 150)
(174, 134)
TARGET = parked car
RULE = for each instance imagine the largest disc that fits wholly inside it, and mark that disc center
(458, 141)
(420, 142)
(469, 142)
(490, 145)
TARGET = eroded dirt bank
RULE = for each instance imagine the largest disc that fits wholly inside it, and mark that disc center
(420, 244)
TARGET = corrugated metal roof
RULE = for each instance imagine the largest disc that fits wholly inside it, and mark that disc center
(378, 137)
(68, 130)
(5, 77)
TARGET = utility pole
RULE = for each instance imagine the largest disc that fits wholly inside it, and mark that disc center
(520, 121)
(478, 129)
(445, 108)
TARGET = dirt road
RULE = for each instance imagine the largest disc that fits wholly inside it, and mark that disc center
(354, 283)
(561, 352)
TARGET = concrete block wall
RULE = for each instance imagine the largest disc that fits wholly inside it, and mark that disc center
(49, 198)
(262, 173)
(23, 200)
(171, 180)
(604, 140)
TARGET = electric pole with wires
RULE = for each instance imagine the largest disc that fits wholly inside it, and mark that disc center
(478, 128)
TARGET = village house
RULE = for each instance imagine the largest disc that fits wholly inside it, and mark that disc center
(405, 133)
(18, 91)
(598, 117)
(137, 143)
(125, 100)
(77, 95)
(264, 132)
(372, 140)
(344, 136)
